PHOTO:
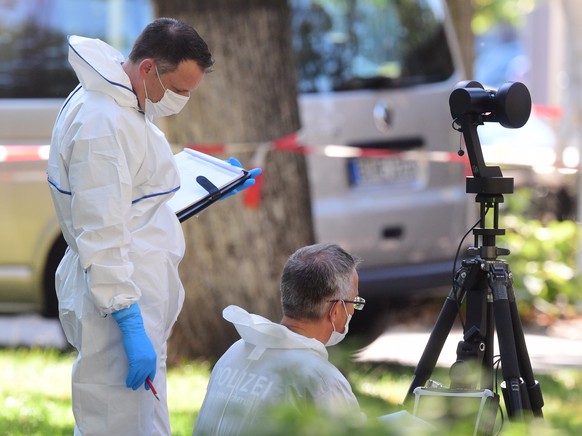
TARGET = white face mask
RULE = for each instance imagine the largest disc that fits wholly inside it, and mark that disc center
(336, 337)
(170, 104)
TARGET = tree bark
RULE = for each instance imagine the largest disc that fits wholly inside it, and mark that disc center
(234, 251)
(250, 95)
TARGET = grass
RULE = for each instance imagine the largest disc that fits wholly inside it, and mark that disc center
(35, 392)
(35, 396)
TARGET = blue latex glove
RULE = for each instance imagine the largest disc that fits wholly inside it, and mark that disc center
(248, 182)
(138, 347)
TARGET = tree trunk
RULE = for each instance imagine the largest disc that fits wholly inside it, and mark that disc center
(569, 128)
(462, 14)
(234, 251)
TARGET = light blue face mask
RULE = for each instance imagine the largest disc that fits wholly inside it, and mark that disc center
(336, 337)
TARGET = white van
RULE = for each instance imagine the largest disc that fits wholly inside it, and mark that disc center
(374, 81)
(376, 76)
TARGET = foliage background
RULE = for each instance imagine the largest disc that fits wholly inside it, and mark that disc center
(543, 259)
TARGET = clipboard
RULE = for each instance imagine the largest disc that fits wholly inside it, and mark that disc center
(204, 180)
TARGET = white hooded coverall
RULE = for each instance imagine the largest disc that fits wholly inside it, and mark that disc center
(111, 172)
(268, 366)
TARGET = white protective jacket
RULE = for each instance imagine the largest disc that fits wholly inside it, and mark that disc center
(111, 172)
(269, 366)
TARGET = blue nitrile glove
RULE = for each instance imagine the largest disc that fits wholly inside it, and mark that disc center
(138, 347)
(248, 182)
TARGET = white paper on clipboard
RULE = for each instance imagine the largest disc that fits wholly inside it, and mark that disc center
(192, 197)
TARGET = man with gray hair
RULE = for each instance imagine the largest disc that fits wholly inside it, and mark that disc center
(287, 363)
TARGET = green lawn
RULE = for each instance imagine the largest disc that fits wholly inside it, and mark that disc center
(35, 396)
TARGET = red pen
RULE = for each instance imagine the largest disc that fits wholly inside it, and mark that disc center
(151, 385)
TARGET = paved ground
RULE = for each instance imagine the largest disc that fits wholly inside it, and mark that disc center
(559, 346)
(31, 331)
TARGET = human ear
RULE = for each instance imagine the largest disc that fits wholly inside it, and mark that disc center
(145, 66)
(333, 313)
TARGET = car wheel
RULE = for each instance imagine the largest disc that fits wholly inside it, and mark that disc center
(50, 308)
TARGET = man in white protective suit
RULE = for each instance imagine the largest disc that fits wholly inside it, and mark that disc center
(288, 362)
(111, 172)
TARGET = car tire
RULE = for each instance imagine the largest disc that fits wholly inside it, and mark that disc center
(50, 308)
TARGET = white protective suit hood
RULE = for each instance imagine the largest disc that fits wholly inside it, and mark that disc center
(86, 55)
(259, 331)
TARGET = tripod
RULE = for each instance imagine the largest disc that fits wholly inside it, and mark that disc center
(484, 282)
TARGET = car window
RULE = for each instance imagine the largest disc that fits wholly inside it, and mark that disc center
(33, 40)
(369, 44)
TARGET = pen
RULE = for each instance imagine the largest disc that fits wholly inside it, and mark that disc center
(151, 385)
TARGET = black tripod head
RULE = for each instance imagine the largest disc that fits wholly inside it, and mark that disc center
(473, 105)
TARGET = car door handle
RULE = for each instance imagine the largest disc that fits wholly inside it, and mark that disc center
(392, 232)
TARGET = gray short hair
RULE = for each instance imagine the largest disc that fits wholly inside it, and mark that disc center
(312, 276)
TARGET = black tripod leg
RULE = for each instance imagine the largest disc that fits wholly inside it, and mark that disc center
(506, 339)
(534, 390)
(464, 373)
(488, 364)
(434, 346)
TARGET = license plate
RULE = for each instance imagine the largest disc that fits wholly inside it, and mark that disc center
(375, 171)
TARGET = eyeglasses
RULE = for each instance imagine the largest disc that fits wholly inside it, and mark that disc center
(358, 302)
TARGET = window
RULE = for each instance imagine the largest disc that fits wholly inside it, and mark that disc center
(342, 45)
(33, 40)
